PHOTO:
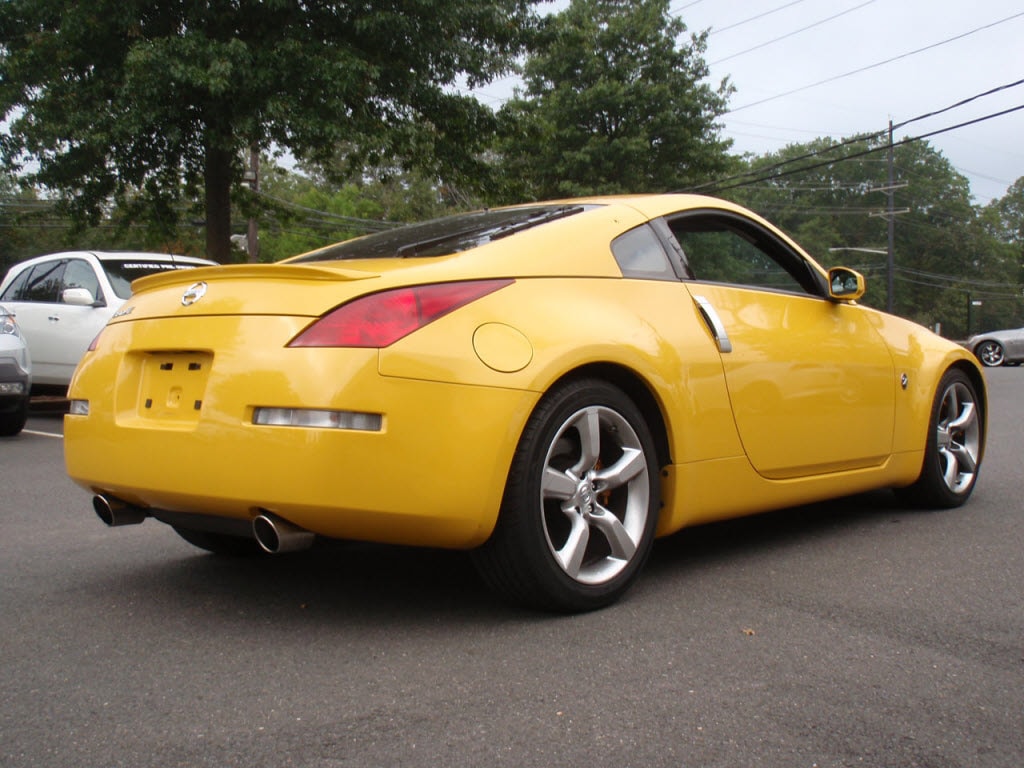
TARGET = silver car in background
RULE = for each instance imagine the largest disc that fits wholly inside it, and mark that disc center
(15, 375)
(62, 300)
(998, 347)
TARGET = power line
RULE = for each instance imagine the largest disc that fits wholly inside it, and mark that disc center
(872, 150)
(790, 34)
(960, 103)
(952, 278)
(858, 139)
(367, 224)
(753, 18)
(958, 285)
(680, 9)
(876, 65)
(782, 164)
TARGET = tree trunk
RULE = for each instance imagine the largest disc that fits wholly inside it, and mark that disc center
(218, 203)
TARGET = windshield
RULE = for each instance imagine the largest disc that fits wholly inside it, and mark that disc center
(121, 272)
(447, 235)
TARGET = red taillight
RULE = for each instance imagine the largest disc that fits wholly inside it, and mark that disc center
(383, 318)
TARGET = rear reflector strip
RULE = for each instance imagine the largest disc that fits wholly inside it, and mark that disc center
(318, 419)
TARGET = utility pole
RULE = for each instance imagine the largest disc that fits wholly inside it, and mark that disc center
(890, 214)
(891, 257)
(253, 177)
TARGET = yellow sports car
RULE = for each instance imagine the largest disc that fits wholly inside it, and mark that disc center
(550, 385)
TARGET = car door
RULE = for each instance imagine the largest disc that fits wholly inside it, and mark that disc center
(810, 380)
(58, 333)
(32, 296)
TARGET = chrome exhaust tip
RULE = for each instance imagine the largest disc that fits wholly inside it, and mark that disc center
(275, 535)
(114, 512)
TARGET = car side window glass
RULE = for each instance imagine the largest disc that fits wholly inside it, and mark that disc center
(13, 292)
(79, 274)
(639, 254)
(723, 248)
(44, 282)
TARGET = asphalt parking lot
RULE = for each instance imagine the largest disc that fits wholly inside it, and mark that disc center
(854, 633)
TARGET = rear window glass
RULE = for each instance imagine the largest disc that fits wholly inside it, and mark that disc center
(121, 272)
(440, 237)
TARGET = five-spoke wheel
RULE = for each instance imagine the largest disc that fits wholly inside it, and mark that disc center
(595, 494)
(581, 502)
(954, 448)
(958, 436)
(990, 353)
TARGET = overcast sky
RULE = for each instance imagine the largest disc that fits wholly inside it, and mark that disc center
(884, 59)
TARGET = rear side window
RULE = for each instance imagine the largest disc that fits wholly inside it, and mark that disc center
(639, 253)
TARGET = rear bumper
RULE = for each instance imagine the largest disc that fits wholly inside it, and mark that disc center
(432, 475)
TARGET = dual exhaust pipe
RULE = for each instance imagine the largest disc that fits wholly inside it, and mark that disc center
(272, 533)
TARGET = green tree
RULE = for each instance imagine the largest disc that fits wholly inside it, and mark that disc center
(615, 101)
(1004, 218)
(149, 104)
(1007, 213)
(301, 212)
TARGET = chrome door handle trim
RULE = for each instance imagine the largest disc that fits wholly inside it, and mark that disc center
(714, 323)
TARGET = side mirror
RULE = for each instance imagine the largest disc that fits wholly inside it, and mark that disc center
(81, 297)
(845, 284)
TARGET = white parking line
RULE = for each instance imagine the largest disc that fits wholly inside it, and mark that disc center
(42, 434)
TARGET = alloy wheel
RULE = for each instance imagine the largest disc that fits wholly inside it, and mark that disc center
(958, 437)
(595, 495)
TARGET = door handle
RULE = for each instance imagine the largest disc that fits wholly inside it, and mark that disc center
(714, 322)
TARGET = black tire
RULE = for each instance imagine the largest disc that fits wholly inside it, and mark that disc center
(990, 353)
(576, 523)
(12, 422)
(220, 543)
(955, 446)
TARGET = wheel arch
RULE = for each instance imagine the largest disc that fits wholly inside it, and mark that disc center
(972, 370)
(940, 484)
(638, 390)
(521, 559)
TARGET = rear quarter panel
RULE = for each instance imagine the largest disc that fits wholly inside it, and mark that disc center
(649, 328)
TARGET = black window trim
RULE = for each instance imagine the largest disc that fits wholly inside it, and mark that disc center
(766, 240)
